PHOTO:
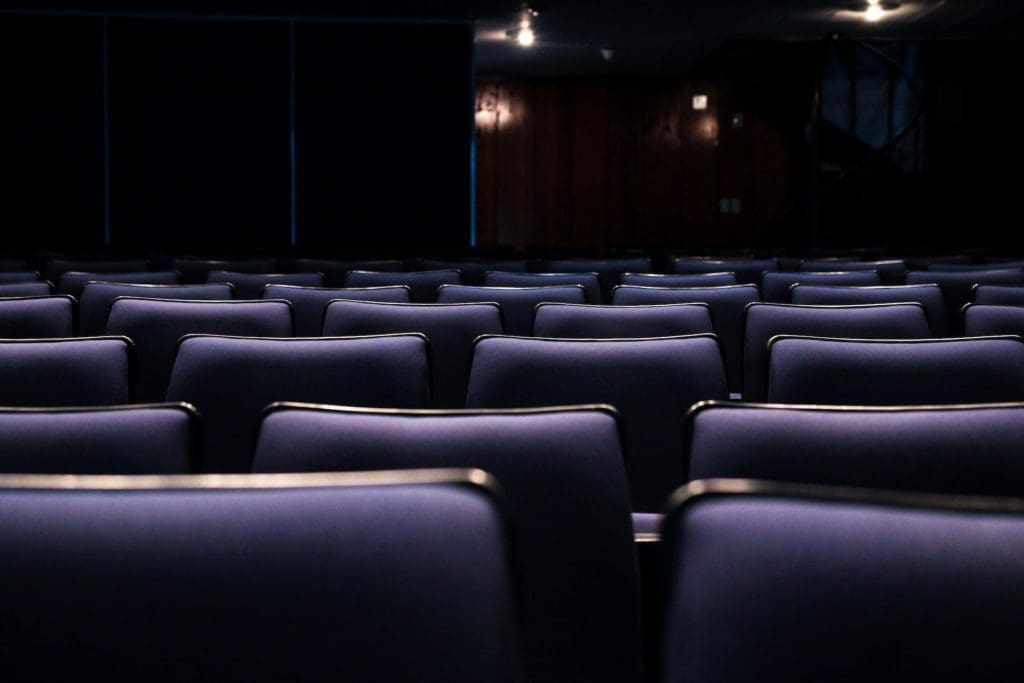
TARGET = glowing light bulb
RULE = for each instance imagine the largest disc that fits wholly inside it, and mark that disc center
(526, 37)
(874, 13)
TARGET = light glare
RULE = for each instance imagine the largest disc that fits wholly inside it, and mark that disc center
(526, 37)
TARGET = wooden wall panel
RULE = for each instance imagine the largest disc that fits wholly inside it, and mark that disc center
(609, 164)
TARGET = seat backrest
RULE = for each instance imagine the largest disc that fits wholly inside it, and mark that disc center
(423, 285)
(776, 286)
(728, 306)
(15, 289)
(775, 582)
(517, 303)
(156, 325)
(37, 317)
(98, 297)
(309, 303)
(128, 439)
(251, 285)
(981, 320)
(608, 270)
(72, 282)
(885, 372)
(877, 321)
(965, 267)
(589, 281)
(474, 271)
(19, 276)
(929, 296)
(652, 382)
(231, 380)
(78, 371)
(584, 321)
(949, 449)
(561, 470)
(371, 576)
(451, 329)
(892, 272)
(996, 295)
(194, 270)
(748, 271)
(56, 268)
(693, 280)
(335, 271)
(957, 287)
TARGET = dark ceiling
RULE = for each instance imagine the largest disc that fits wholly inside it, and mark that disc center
(645, 37)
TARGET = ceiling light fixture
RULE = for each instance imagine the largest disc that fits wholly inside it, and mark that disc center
(524, 35)
(875, 10)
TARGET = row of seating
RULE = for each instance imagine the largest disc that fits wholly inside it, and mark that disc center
(651, 382)
(733, 313)
(285, 575)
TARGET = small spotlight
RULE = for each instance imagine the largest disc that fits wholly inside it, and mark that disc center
(874, 13)
(700, 102)
(526, 37)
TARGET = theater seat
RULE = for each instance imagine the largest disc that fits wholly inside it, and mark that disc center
(309, 303)
(423, 285)
(652, 383)
(561, 470)
(156, 325)
(389, 577)
(904, 372)
(940, 449)
(98, 297)
(37, 317)
(764, 321)
(230, 380)
(589, 281)
(129, 439)
(583, 321)
(517, 303)
(78, 371)
(774, 582)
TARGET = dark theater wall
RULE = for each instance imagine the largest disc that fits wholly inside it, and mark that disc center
(233, 133)
(199, 133)
(384, 132)
(51, 133)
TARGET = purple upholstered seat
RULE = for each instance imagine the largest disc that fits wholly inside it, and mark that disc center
(883, 372)
(451, 329)
(72, 282)
(517, 303)
(128, 439)
(949, 449)
(309, 303)
(764, 321)
(652, 382)
(561, 470)
(891, 272)
(46, 317)
(692, 280)
(387, 577)
(775, 286)
(748, 271)
(156, 325)
(728, 306)
(231, 380)
(929, 296)
(981, 320)
(194, 270)
(251, 285)
(78, 371)
(423, 285)
(98, 297)
(589, 281)
(773, 582)
(957, 286)
(583, 321)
